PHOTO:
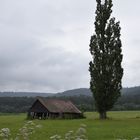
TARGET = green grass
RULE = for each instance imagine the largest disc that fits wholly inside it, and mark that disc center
(124, 124)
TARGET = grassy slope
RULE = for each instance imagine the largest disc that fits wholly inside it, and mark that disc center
(120, 125)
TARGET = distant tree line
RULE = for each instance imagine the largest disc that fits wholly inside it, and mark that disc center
(15, 104)
(84, 103)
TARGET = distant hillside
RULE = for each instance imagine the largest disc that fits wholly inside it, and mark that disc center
(85, 91)
(24, 94)
(75, 92)
(131, 91)
(17, 102)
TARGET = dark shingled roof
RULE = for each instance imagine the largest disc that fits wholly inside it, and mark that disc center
(56, 105)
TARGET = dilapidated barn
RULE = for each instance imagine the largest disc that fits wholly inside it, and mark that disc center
(53, 108)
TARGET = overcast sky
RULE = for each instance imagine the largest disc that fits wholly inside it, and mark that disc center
(44, 44)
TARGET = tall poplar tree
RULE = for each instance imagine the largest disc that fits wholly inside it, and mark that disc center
(105, 69)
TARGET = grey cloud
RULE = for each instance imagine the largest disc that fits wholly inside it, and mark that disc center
(58, 75)
(44, 45)
(25, 64)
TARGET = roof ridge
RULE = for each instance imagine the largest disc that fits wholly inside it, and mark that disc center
(58, 105)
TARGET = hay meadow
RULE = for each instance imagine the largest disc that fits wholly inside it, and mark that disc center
(120, 125)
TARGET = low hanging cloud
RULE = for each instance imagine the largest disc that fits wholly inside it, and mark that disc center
(28, 65)
(44, 45)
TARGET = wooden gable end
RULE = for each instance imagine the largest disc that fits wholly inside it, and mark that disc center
(38, 107)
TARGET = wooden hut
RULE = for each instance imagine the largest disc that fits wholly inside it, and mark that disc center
(53, 108)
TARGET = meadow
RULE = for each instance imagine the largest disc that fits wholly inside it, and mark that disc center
(120, 125)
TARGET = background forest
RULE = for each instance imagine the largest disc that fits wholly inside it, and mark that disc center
(82, 98)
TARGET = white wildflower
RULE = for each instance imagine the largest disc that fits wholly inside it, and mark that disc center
(136, 139)
(38, 126)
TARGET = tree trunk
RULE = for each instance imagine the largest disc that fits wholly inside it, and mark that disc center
(103, 115)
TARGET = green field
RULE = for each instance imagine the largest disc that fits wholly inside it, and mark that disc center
(119, 125)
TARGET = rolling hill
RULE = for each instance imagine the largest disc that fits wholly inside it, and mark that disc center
(74, 92)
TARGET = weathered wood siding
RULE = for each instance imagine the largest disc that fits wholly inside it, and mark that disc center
(38, 107)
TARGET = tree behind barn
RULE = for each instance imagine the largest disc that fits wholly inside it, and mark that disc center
(105, 68)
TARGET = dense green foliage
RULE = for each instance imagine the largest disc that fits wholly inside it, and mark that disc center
(124, 125)
(22, 104)
(105, 68)
(15, 104)
(84, 103)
